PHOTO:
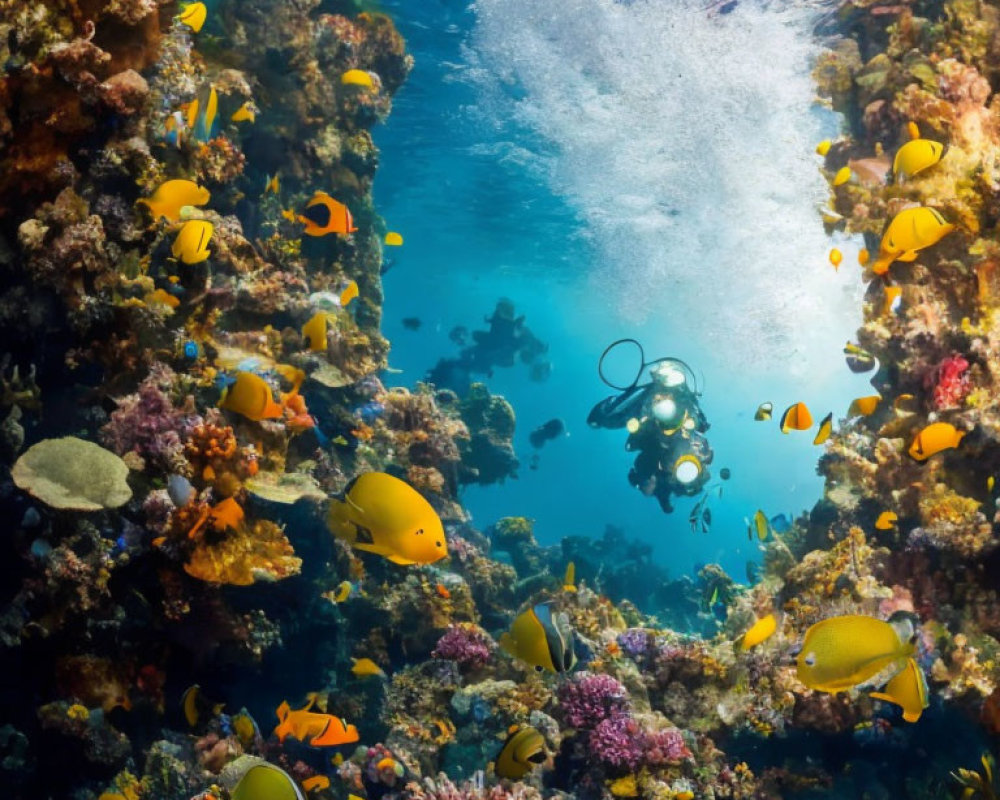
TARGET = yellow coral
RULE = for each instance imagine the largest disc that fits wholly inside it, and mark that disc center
(250, 552)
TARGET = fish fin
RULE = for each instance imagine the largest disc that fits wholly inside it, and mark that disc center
(909, 255)
(397, 559)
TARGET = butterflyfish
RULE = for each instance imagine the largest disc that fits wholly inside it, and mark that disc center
(863, 406)
(366, 668)
(265, 781)
(274, 185)
(244, 727)
(760, 631)
(317, 730)
(933, 439)
(569, 579)
(523, 750)
(915, 156)
(324, 215)
(348, 293)
(825, 429)
(796, 418)
(764, 412)
(393, 239)
(863, 256)
(245, 113)
(911, 230)
(191, 244)
(542, 639)
(886, 521)
(760, 525)
(204, 129)
(315, 783)
(383, 515)
(912, 130)
(193, 15)
(840, 653)
(250, 395)
(170, 197)
(843, 176)
(314, 331)
(836, 257)
(858, 359)
(357, 77)
(823, 147)
(908, 690)
(197, 707)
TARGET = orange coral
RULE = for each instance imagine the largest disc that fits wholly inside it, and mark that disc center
(249, 552)
(217, 459)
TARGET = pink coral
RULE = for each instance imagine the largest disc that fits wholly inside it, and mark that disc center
(618, 741)
(589, 699)
(949, 382)
(465, 643)
(665, 746)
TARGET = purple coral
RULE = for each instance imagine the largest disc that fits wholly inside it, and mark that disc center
(665, 747)
(635, 643)
(618, 741)
(465, 643)
(589, 699)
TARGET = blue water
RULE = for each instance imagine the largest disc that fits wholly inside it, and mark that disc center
(560, 156)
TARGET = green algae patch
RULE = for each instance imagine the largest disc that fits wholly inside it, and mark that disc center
(73, 474)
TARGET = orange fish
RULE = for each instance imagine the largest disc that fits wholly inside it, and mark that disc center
(250, 395)
(443, 591)
(227, 514)
(316, 782)
(324, 215)
(316, 730)
(796, 418)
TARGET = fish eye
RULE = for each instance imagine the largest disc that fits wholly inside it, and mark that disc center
(810, 660)
(437, 544)
(538, 669)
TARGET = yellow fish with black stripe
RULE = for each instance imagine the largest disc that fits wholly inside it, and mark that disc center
(542, 639)
(911, 230)
(191, 244)
(523, 750)
(381, 514)
(915, 156)
(825, 429)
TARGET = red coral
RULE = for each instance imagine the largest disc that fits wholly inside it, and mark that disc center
(949, 382)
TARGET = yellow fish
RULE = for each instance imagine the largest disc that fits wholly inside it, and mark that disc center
(357, 77)
(393, 239)
(315, 331)
(916, 156)
(523, 750)
(193, 15)
(908, 690)
(760, 631)
(912, 130)
(191, 244)
(886, 521)
(796, 418)
(843, 176)
(764, 412)
(863, 256)
(760, 525)
(274, 185)
(542, 639)
(250, 395)
(343, 591)
(168, 200)
(863, 406)
(912, 229)
(836, 257)
(905, 405)
(990, 483)
(933, 439)
(893, 300)
(290, 215)
(266, 780)
(163, 297)
(825, 429)
(823, 147)
(197, 707)
(366, 668)
(348, 293)
(316, 782)
(337, 760)
(569, 579)
(245, 113)
(384, 515)
(840, 653)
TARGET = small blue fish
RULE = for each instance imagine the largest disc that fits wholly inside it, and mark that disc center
(370, 411)
(780, 523)
(191, 349)
(180, 490)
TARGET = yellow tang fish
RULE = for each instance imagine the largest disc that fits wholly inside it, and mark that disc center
(266, 780)
(912, 229)
(863, 406)
(193, 15)
(908, 690)
(823, 147)
(843, 176)
(933, 439)
(916, 156)
(764, 412)
(796, 418)
(886, 520)
(522, 752)
(250, 395)
(168, 200)
(760, 631)
(357, 77)
(825, 429)
(840, 653)
(760, 525)
(366, 668)
(191, 244)
(836, 257)
(393, 239)
(542, 639)
(569, 579)
(384, 515)
(863, 256)
(314, 331)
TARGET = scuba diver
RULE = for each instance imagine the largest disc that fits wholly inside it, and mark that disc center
(665, 423)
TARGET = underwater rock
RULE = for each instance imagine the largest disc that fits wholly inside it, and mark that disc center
(73, 474)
